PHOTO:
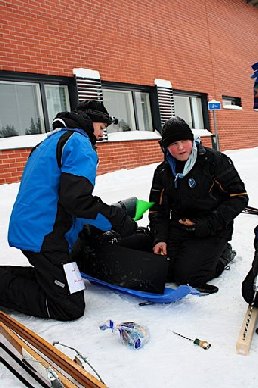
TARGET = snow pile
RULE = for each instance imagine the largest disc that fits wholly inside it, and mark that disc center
(166, 360)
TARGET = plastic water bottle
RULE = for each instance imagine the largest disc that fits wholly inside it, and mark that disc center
(131, 334)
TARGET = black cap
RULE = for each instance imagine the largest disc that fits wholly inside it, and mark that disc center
(95, 110)
(175, 129)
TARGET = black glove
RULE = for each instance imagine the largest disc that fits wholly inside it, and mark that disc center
(248, 283)
(248, 289)
(121, 222)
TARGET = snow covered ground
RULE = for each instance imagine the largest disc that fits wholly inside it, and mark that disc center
(167, 360)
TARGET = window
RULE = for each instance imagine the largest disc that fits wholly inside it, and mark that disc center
(21, 111)
(28, 107)
(131, 108)
(231, 102)
(190, 108)
(57, 100)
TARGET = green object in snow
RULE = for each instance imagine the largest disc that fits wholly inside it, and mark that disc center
(141, 207)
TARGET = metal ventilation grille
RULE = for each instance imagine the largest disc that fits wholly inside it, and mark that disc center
(90, 89)
(166, 103)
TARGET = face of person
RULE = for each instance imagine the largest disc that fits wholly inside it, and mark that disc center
(98, 129)
(181, 149)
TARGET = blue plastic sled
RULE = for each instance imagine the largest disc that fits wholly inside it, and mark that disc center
(170, 295)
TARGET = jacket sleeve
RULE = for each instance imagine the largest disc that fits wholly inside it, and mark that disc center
(159, 214)
(227, 180)
(78, 173)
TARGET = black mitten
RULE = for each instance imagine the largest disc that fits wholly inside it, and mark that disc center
(128, 227)
(248, 283)
(121, 222)
(248, 289)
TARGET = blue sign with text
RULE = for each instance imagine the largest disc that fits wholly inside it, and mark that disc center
(214, 105)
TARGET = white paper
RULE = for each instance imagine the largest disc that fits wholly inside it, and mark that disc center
(73, 276)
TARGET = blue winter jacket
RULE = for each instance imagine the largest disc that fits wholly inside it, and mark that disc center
(55, 197)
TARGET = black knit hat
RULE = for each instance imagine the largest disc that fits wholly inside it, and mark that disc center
(175, 129)
(95, 110)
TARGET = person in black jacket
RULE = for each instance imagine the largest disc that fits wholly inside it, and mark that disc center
(197, 194)
(54, 203)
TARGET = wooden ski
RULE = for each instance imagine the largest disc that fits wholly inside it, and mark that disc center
(33, 358)
(247, 330)
(13, 329)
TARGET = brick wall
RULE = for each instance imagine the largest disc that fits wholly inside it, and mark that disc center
(112, 156)
(12, 164)
(198, 45)
(127, 154)
(202, 46)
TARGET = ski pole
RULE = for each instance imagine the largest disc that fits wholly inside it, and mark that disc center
(203, 344)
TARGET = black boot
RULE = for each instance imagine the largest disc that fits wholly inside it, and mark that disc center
(207, 289)
(227, 256)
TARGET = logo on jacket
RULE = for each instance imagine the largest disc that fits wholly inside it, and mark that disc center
(191, 183)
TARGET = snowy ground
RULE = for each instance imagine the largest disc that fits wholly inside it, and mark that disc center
(167, 360)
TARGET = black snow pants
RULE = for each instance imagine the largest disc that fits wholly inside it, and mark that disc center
(41, 290)
(194, 260)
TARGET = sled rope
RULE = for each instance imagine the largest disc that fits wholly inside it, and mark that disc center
(12, 328)
(79, 358)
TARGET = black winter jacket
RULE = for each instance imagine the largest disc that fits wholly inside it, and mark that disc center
(211, 194)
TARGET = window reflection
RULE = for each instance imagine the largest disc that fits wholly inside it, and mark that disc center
(189, 108)
(20, 109)
(131, 108)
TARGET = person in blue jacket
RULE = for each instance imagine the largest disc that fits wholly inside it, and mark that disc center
(55, 201)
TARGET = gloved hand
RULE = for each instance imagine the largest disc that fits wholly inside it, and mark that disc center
(121, 222)
(248, 289)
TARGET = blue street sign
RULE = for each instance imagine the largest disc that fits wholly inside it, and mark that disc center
(214, 105)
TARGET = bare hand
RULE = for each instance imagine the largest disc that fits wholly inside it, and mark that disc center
(186, 222)
(160, 248)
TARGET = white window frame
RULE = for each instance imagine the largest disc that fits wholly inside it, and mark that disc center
(65, 87)
(192, 115)
(233, 103)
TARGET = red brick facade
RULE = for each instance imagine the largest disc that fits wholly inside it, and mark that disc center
(12, 163)
(112, 156)
(200, 46)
